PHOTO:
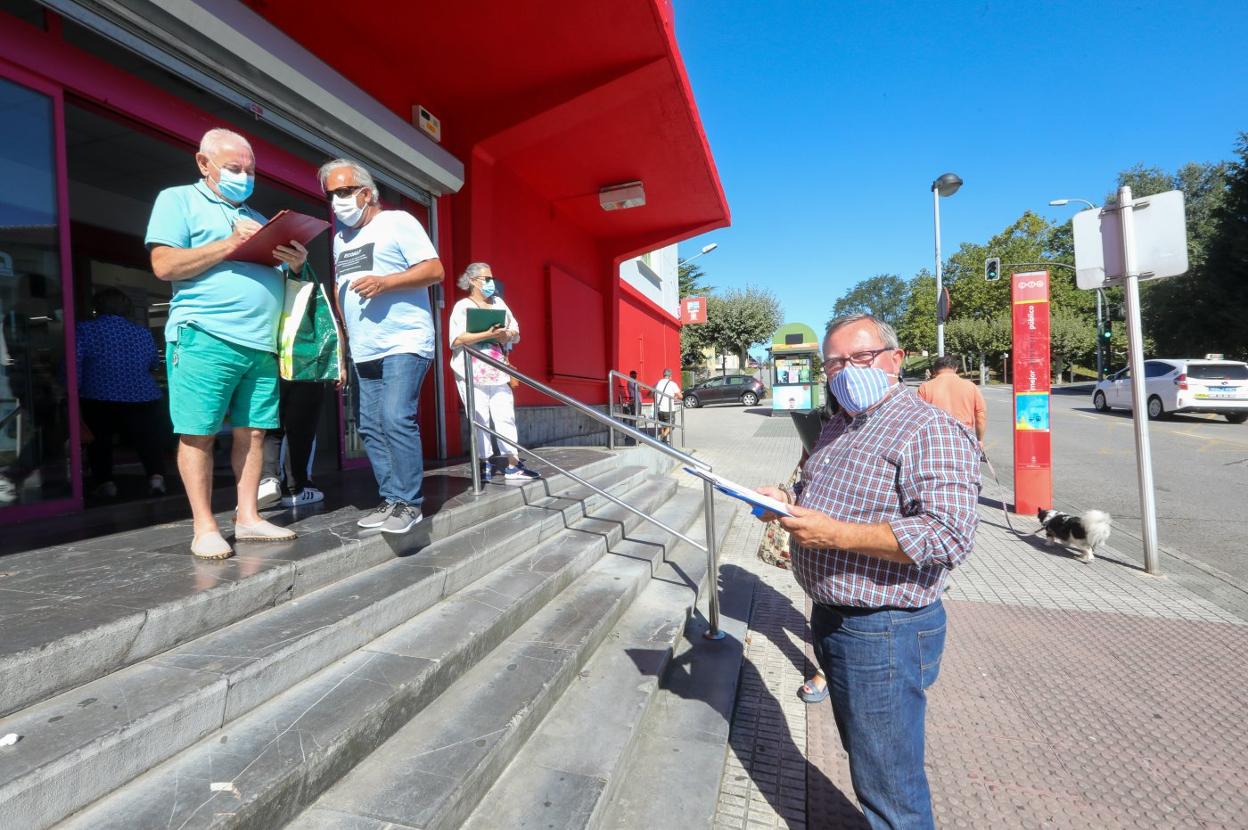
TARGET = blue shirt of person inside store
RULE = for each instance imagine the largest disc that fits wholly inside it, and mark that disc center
(238, 302)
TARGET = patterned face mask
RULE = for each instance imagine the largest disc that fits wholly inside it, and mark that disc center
(859, 388)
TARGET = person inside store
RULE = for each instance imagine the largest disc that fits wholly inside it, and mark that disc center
(221, 352)
(116, 392)
(494, 405)
(384, 263)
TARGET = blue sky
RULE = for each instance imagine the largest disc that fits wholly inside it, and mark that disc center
(829, 122)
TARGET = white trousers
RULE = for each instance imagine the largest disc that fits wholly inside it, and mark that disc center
(496, 408)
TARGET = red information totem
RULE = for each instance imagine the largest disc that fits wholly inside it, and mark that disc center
(1033, 458)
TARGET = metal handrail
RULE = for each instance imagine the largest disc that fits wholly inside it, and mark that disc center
(654, 393)
(711, 548)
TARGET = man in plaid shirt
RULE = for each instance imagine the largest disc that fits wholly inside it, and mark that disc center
(885, 510)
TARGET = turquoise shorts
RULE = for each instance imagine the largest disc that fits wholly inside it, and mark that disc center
(210, 378)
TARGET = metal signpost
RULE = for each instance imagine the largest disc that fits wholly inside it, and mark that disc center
(1125, 243)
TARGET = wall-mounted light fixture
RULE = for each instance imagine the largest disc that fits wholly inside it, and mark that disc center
(622, 196)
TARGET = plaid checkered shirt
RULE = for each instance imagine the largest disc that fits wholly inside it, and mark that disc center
(906, 463)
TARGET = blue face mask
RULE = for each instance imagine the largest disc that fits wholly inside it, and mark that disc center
(236, 187)
(859, 388)
(487, 289)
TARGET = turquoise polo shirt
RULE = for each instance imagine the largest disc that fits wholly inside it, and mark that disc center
(236, 301)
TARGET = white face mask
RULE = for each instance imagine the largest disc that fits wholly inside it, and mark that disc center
(347, 210)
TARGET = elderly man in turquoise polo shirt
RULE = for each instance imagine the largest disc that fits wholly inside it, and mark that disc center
(221, 334)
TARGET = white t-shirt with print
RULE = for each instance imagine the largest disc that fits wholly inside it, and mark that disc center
(483, 375)
(393, 322)
(664, 392)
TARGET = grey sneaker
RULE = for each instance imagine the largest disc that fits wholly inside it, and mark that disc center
(377, 517)
(403, 518)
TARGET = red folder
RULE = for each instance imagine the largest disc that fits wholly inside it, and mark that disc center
(279, 230)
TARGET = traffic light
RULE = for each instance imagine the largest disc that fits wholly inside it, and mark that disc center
(1107, 331)
(992, 269)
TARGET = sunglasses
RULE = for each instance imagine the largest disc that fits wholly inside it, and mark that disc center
(344, 192)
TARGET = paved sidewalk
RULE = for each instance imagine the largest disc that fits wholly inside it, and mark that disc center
(1071, 695)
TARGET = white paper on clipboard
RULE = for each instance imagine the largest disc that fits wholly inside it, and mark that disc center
(745, 494)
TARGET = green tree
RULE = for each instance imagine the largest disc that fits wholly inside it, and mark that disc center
(883, 296)
(1176, 312)
(1223, 285)
(691, 280)
(1072, 339)
(740, 319)
(917, 331)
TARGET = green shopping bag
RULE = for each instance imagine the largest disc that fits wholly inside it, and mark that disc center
(307, 337)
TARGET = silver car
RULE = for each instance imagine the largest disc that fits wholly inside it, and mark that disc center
(1182, 385)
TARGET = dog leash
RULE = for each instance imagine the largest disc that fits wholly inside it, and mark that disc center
(997, 478)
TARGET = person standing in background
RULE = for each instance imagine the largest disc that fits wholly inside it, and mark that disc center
(958, 396)
(116, 392)
(299, 409)
(666, 394)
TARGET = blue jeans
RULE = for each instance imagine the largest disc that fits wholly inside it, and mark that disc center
(389, 398)
(878, 663)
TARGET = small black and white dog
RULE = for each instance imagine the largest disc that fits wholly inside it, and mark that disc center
(1085, 533)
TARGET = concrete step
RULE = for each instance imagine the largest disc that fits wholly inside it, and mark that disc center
(82, 744)
(673, 778)
(562, 780)
(436, 769)
(277, 757)
(74, 613)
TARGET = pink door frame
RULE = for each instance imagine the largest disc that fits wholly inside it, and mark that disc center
(74, 502)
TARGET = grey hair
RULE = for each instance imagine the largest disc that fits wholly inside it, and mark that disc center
(362, 176)
(667, 373)
(476, 269)
(888, 335)
(211, 143)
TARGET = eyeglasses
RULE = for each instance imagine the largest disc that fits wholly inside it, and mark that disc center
(859, 359)
(344, 192)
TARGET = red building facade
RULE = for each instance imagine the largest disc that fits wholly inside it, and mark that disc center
(540, 106)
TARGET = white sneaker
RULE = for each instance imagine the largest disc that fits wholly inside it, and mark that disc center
(8, 492)
(306, 496)
(156, 485)
(270, 493)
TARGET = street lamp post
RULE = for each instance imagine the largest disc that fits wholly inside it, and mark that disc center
(706, 249)
(1100, 349)
(946, 185)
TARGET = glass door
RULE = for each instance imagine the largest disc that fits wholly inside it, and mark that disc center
(38, 432)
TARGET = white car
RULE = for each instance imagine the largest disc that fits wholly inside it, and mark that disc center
(1182, 385)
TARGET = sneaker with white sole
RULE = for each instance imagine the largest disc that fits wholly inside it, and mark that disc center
(378, 516)
(518, 472)
(306, 496)
(8, 491)
(156, 485)
(269, 494)
(403, 518)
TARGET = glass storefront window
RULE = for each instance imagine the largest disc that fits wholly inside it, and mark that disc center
(34, 405)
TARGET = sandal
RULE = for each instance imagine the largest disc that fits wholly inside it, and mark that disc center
(810, 693)
(211, 546)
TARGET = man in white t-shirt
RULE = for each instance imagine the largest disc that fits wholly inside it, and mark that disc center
(666, 394)
(384, 264)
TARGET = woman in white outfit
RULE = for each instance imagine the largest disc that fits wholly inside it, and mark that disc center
(492, 399)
